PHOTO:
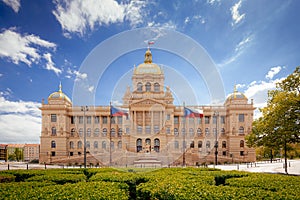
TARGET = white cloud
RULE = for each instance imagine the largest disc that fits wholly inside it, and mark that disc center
(273, 71)
(77, 16)
(50, 65)
(91, 89)
(238, 50)
(20, 121)
(258, 91)
(78, 76)
(212, 2)
(235, 14)
(1, 75)
(14, 4)
(23, 48)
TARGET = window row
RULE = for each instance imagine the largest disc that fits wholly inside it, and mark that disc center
(96, 132)
(148, 87)
(104, 119)
(207, 145)
(199, 131)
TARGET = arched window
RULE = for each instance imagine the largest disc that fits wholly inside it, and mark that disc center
(191, 130)
(242, 143)
(139, 145)
(88, 133)
(156, 87)
(224, 144)
(103, 145)
(156, 144)
(148, 141)
(215, 131)
(53, 144)
(199, 144)
(80, 132)
(223, 131)
(139, 87)
(192, 145)
(112, 132)
(88, 145)
(96, 132)
(148, 87)
(176, 144)
(79, 144)
(95, 145)
(72, 132)
(208, 144)
(104, 132)
(199, 132)
(120, 145)
(175, 131)
(241, 130)
(71, 145)
(53, 131)
(206, 131)
(120, 132)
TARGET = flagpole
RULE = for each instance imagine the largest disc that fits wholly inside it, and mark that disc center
(183, 155)
(110, 118)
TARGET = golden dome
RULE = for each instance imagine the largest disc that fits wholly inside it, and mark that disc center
(59, 95)
(236, 95)
(148, 67)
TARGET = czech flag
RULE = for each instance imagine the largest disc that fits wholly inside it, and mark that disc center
(114, 111)
(188, 112)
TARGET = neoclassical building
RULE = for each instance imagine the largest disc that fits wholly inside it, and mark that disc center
(155, 131)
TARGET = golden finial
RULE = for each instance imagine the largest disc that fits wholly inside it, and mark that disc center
(60, 87)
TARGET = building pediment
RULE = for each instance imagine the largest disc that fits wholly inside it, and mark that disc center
(146, 103)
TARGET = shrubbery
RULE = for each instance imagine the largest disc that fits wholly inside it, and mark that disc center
(167, 183)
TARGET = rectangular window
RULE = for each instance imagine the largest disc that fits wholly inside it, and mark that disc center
(224, 153)
(96, 120)
(127, 130)
(168, 130)
(120, 119)
(182, 120)
(104, 119)
(222, 119)
(207, 119)
(80, 119)
(241, 117)
(71, 153)
(53, 118)
(52, 153)
(73, 119)
(88, 119)
(199, 120)
(168, 116)
(241, 153)
(113, 120)
(176, 120)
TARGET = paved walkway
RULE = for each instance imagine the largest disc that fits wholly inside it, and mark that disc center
(275, 167)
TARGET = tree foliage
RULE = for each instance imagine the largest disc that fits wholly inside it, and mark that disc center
(280, 121)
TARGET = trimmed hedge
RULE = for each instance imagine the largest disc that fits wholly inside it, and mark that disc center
(167, 183)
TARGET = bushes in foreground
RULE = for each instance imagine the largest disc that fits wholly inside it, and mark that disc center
(168, 183)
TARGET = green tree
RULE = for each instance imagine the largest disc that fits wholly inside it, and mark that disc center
(279, 125)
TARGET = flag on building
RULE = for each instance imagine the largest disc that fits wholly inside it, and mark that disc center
(114, 111)
(188, 112)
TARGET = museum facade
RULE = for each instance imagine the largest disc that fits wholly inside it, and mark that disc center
(148, 130)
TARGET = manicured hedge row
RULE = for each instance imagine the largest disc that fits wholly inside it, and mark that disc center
(167, 183)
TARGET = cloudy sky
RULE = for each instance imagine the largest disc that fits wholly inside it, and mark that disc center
(252, 44)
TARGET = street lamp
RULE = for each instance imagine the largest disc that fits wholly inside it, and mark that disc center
(84, 109)
(216, 115)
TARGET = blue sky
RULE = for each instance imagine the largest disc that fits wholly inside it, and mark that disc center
(252, 43)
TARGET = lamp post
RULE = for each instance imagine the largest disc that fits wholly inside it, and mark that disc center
(216, 115)
(84, 109)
